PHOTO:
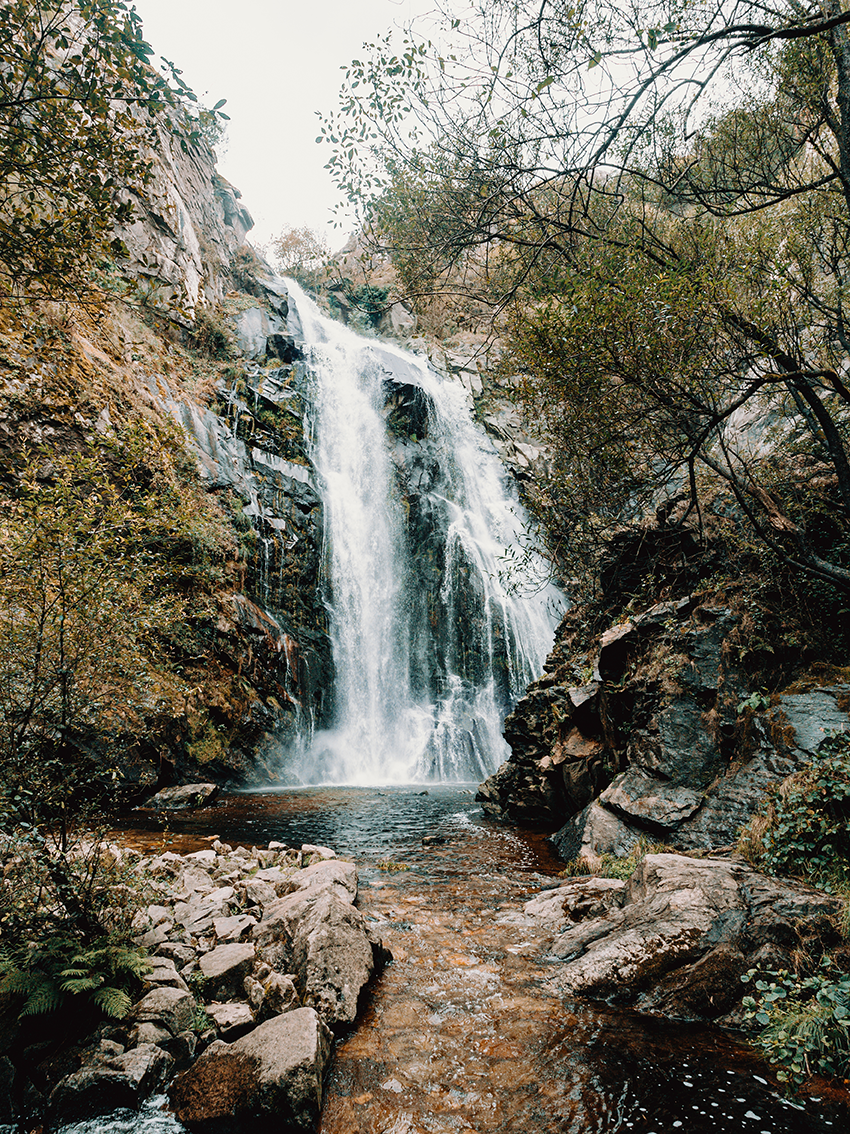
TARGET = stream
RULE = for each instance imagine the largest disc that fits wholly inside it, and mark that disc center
(463, 1031)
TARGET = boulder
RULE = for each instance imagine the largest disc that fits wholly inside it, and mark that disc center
(688, 928)
(324, 941)
(576, 900)
(172, 1008)
(224, 969)
(184, 797)
(229, 929)
(163, 972)
(267, 1082)
(335, 873)
(108, 1084)
(231, 1020)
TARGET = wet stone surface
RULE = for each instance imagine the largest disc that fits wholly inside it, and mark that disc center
(464, 1031)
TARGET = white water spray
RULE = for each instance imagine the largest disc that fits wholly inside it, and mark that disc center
(430, 650)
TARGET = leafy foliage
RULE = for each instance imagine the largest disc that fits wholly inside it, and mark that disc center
(660, 201)
(80, 103)
(301, 253)
(802, 1023)
(806, 828)
(65, 921)
(47, 975)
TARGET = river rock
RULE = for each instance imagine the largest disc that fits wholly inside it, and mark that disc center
(224, 969)
(107, 1084)
(267, 1082)
(576, 900)
(163, 972)
(335, 873)
(184, 797)
(231, 1020)
(172, 1008)
(324, 941)
(687, 930)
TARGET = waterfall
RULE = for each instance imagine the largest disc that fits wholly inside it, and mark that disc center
(430, 648)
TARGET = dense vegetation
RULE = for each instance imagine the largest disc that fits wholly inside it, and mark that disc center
(652, 203)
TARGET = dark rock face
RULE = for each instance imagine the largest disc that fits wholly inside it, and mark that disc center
(653, 744)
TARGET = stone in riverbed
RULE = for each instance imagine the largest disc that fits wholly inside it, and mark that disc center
(268, 1082)
(107, 1084)
(687, 930)
(231, 1020)
(324, 941)
(183, 797)
(170, 1007)
(225, 968)
(334, 873)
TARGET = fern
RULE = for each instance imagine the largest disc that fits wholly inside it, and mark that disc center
(113, 1001)
(47, 975)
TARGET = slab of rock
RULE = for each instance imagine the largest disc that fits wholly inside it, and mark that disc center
(184, 797)
(107, 1084)
(325, 942)
(334, 873)
(230, 929)
(687, 930)
(577, 899)
(172, 1008)
(268, 1082)
(231, 1020)
(163, 972)
(224, 969)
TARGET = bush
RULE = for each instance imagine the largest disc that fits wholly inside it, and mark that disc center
(805, 827)
(65, 922)
(803, 1022)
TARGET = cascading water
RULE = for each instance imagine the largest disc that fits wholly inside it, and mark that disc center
(430, 649)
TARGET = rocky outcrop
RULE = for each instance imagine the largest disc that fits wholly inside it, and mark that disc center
(676, 938)
(659, 740)
(185, 227)
(256, 957)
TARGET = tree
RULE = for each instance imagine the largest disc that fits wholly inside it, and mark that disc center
(660, 195)
(300, 253)
(79, 106)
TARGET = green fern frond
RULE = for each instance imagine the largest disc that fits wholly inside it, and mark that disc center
(113, 1001)
(82, 984)
(43, 1000)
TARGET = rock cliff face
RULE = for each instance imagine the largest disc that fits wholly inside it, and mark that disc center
(199, 338)
(652, 733)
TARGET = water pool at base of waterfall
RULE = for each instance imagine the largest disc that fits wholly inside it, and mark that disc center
(464, 1031)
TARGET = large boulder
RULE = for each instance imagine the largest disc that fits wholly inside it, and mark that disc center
(268, 1082)
(183, 797)
(224, 969)
(685, 933)
(324, 941)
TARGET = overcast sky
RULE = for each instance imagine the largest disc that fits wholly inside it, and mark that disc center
(276, 62)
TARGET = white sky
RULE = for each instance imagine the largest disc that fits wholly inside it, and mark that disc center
(276, 62)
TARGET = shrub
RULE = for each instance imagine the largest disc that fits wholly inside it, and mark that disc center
(803, 1023)
(805, 825)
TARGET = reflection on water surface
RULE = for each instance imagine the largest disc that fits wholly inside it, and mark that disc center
(463, 1031)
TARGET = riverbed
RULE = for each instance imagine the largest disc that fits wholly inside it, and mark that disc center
(463, 1031)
